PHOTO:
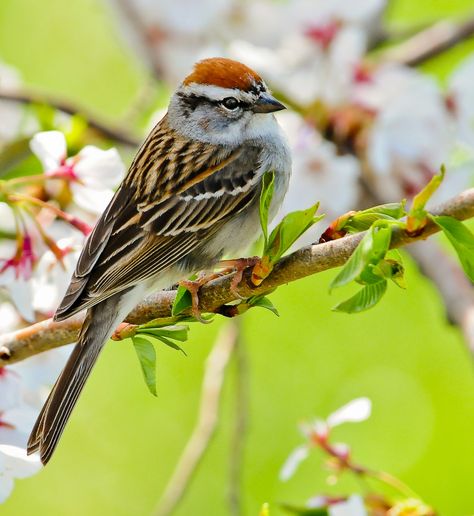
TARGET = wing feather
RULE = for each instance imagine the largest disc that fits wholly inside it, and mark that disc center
(154, 221)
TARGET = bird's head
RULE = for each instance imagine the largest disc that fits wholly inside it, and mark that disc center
(223, 101)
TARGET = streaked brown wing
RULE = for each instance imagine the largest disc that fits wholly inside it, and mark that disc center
(152, 222)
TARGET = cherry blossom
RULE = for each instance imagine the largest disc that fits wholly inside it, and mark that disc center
(11, 114)
(460, 100)
(92, 173)
(353, 506)
(14, 463)
(319, 173)
(17, 259)
(355, 411)
(410, 137)
(52, 276)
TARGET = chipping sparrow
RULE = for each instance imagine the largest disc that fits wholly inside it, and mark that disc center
(191, 195)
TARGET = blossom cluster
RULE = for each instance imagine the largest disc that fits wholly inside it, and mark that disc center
(318, 434)
(356, 124)
(44, 220)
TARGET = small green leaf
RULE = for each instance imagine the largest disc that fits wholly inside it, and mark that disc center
(422, 197)
(182, 301)
(417, 215)
(366, 298)
(289, 230)
(461, 238)
(362, 220)
(177, 332)
(305, 511)
(264, 302)
(157, 335)
(371, 249)
(268, 186)
(147, 356)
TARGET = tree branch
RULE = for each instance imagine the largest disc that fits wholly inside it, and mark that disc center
(214, 375)
(429, 42)
(30, 97)
(309, 260)
(240, 423)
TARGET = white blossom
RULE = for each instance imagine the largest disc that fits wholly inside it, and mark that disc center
(14, 463)
(461, 100)
(296, 457)
(9, 388)
(16, 267)
(410, 137)
(355, 411)
(93, 172)
(319, 174)
(353, 506)
(52, 276)
(11, 113)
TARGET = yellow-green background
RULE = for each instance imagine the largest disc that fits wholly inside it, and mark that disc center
(121, 444)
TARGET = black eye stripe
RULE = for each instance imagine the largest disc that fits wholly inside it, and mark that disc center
(193, 101)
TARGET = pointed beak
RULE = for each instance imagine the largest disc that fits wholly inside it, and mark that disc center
(267, 104)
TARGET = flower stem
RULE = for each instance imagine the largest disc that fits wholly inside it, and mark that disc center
(82, 226)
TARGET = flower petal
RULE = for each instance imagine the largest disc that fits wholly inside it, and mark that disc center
(17, 463)
(355, 411)
(10, 387)
(353, 506)
(296, 457)
(6, 487)
(50, 148)
(98, 168)
(91, 199)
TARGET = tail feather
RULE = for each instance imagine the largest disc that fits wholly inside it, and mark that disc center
(100, 322)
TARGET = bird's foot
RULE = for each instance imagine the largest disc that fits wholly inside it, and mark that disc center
(193, 286)
(238, 266)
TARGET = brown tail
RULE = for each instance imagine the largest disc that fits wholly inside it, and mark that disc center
(100, 322)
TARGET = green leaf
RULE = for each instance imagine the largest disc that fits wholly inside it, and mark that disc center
(305, 511)
(422, 197)
(170, 343)
(362, 220)
(177, 332)
(289, 230)
(182, 301)
(157, 335)
(268, 186)
(264, 302)
(371, 249)
(366, 298)
(390, 269)
(417, 215)
(461, 238)
(147, 356)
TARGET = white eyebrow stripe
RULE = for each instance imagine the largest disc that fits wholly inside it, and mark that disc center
(217, 92)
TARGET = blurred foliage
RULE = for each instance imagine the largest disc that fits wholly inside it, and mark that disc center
(122, 443)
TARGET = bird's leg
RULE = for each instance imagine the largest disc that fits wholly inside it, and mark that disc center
(193, 286)
(238, 266)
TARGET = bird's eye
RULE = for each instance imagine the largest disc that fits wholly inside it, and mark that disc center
(230, 103)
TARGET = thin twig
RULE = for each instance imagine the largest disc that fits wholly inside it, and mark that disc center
(307, 261)
(429, 43)
(131, 16)
(31, 97)
(208, 418)
(240, 425)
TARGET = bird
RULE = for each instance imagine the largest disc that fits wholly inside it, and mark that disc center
(190, 196)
